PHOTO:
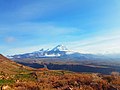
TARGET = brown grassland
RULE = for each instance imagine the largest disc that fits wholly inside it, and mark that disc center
(14, 76)
(59, 80)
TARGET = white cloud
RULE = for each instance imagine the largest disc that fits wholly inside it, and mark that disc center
(107, 42)
(9, 39)
(38, 29)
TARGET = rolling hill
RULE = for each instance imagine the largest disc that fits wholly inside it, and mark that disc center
(8, 66)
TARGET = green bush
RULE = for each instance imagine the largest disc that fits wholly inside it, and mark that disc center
(6, 82)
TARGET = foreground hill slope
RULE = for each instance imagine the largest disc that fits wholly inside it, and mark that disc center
(15, 76)
(61, 80)
(8, 66)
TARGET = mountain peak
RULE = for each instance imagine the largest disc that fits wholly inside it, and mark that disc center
(41, 49)
(60, 48)
(60, 45)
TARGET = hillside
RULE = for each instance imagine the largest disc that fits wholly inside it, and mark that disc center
(61, 80)
(8, 66)
(15, 76)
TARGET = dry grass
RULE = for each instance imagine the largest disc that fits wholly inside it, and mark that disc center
(14, 76)
(63, 80)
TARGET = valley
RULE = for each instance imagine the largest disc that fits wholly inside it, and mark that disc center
(75, 67)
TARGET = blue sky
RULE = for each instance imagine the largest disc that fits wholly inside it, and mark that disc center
(87, 26)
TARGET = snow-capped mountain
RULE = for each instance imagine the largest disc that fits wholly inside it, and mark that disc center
(60, 48)
(60, 51)
(57, 51)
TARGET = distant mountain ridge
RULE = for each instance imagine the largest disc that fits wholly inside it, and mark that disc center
(60, 51)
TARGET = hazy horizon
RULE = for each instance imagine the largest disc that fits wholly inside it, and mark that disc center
(89, 26)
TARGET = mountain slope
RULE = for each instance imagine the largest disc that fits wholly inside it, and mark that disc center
(58, 51)
(60, 48)
(10, 67)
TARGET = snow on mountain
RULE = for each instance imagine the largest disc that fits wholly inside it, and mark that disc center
(52, 55)
(59, 50)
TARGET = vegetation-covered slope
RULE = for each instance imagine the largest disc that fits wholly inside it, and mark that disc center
(60, 80)
(10, 67)
(14, 76)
